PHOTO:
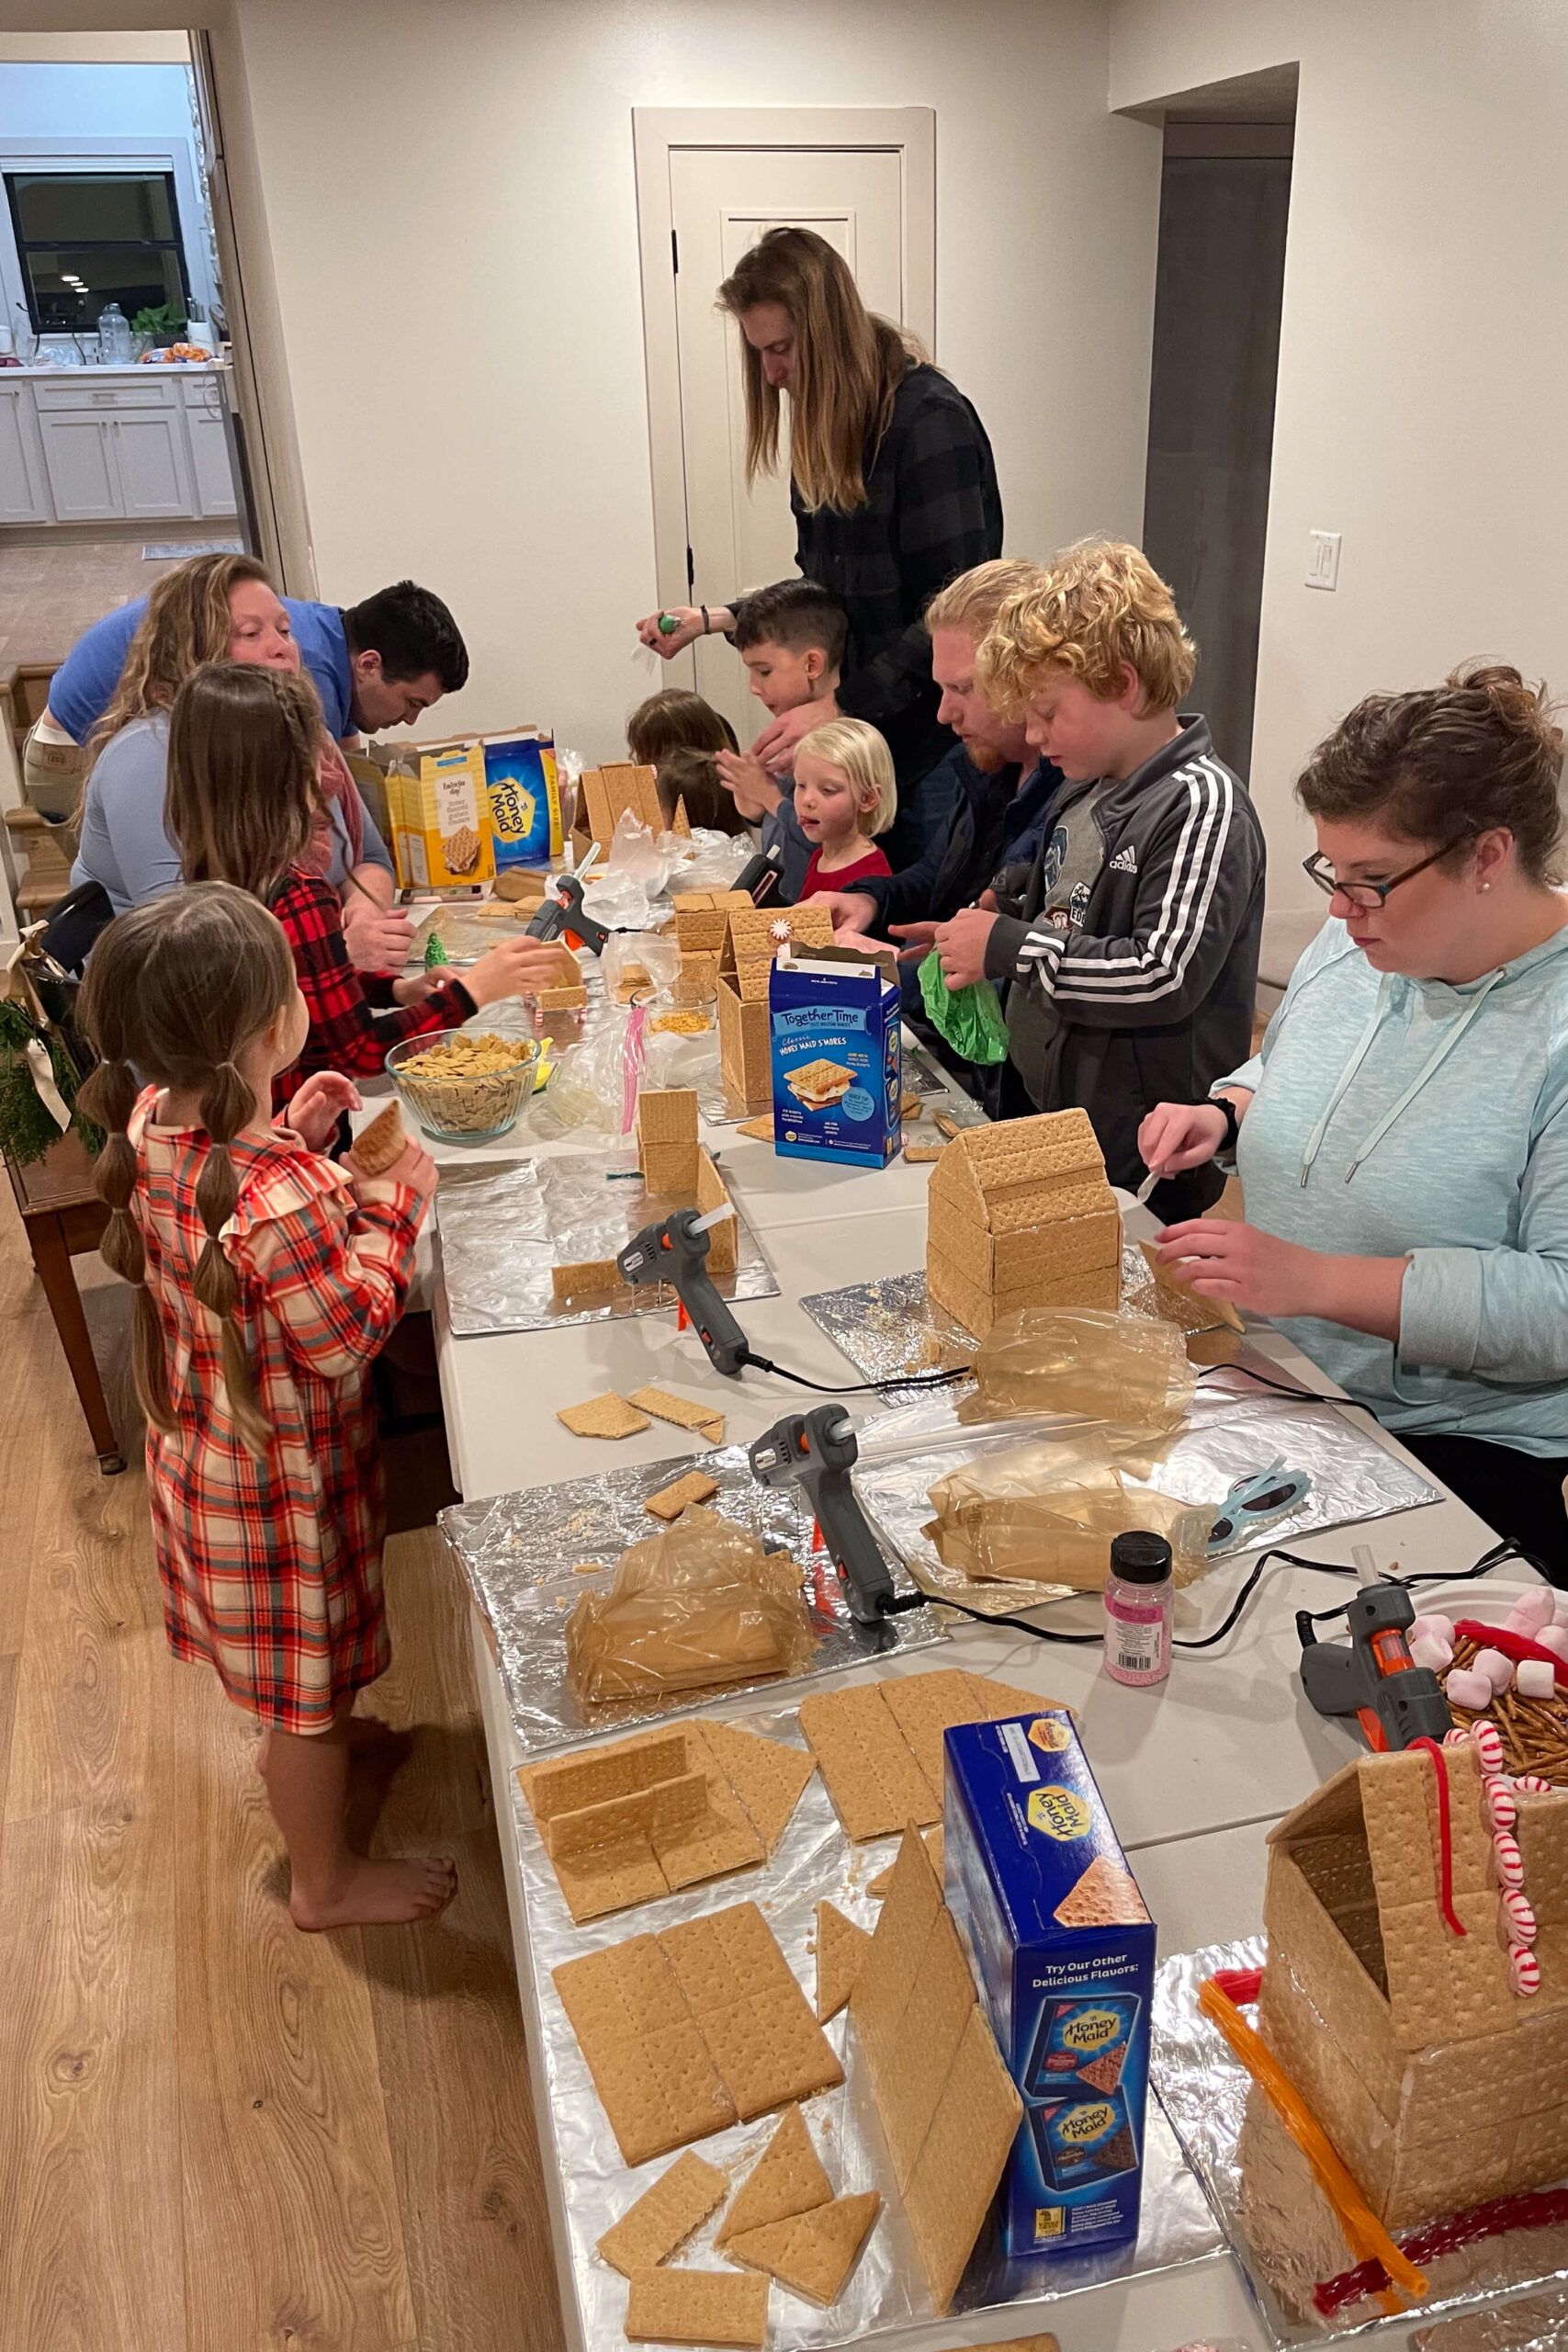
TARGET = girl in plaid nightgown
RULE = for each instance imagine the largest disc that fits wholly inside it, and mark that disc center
(268, 1278)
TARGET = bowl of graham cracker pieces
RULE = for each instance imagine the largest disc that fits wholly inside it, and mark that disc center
(464, 1087)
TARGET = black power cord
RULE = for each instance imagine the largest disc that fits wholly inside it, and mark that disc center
(859, 1387)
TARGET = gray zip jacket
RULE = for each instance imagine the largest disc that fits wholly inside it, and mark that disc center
(1152, 1000)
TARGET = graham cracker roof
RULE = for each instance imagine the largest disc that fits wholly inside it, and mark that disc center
(761, 931)
(1016, 1174)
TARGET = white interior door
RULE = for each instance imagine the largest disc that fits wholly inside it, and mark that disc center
(722, 200)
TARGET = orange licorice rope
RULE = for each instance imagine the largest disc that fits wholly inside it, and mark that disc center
(1368, 2238)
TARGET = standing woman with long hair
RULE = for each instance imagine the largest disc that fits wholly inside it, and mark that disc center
(892, 483)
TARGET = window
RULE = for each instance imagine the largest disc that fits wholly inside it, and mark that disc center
(86, 239)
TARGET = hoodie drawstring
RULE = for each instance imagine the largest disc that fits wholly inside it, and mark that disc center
(1444, 1048)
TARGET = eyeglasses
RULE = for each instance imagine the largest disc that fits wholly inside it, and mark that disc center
(1367, 896)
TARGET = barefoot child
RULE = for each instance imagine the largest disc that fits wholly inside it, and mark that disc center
(266, 1279)
(845, 791)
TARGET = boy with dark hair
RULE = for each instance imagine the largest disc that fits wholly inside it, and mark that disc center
(404, 653)
(791, 637)
(1132, 949)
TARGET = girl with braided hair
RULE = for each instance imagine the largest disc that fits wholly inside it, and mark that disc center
(266, 1279)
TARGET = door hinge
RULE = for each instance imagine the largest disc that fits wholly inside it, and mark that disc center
(674, 252)
(691, 572)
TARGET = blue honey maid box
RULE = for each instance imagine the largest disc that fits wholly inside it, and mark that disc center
(1064, 1953)
(833, 1042)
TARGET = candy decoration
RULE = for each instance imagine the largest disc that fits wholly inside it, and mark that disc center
(1426, 1650)
(1488, 1743)
(1555, 1639)
(1525, 1970)
(1516, 1918)
(1536, 1678)
(1455, 1738)
(1498, 1669)
(1532, 1784)
(1467, 1689)
(1537, 1607)
(1508, 1859)
(1500, 1804)
(1444, 1840)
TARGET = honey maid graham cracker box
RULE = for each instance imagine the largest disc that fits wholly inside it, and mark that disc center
(1064, 1952)
(833, 1042)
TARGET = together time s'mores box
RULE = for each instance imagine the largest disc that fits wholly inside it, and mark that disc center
(1064, 1952)
(834, 1048)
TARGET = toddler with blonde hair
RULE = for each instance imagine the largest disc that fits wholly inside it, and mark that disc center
(845, 793)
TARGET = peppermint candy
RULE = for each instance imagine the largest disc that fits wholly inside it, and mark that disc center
(1455, 1738)
(1532, 1784)
(1488, 1745)
(1511, 1861)
(1518, 1917)
(1525, 1970)
(1499, 1802)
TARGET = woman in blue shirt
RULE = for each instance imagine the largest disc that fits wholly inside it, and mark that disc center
(1403, 1136)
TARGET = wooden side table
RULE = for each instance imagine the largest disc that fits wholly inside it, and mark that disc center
(64, 1219)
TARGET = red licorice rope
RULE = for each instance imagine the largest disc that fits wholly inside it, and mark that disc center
(1445, 1838)
(1538, 2208)
(1241, 1986)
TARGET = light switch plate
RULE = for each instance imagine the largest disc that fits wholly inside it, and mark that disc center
(1323, 559)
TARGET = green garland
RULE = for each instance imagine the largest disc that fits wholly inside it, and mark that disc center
(27, 1128)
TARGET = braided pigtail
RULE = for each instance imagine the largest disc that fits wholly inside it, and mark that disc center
(226, 1103)
(108, 1096)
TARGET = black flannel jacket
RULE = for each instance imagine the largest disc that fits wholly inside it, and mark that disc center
(932, 510)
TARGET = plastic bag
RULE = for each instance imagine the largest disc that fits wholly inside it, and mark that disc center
(716, 859)
(970, 1019)
(638, 959)
(1047, 1512)
(595, 1083)
(690, 1609)
(1129, 1373)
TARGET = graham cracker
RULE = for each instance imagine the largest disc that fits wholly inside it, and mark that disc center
(566, 996)
(1105, 2072)
(627, 1824)
(666, 1407)
(656, 2080)
(934, 1843)
(910, 1106)
(923, 2046)
(887, 1972)
(380, 1144)
(587, 1273)
(666, 1114)
(610, 1878)
(840, 1947)
(918, 1151)
(605, 1416)
(725, 2307)
(787, 2179)
(1105, 1896)
(722, 1839)
(573, 1781)
(767, 1776)
(696, 1487)
(1170, 1286)
(663, 2216)
(815, 2253)
(924, 1706)
(652, 1812)
(871, 1775)
(965, 2156)
(670, 1168)
(755, 2021)
(759, 1130)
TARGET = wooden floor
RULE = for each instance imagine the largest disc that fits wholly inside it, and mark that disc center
(51, 590)
(220, 2135)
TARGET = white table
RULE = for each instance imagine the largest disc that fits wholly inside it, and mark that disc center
(1192, 1772)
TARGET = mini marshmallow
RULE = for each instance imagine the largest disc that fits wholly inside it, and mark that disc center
(1515, 1918)
(1537, 1607)
(1501, 1809)
(1525, 1970)
(1467, 1689)
(1509, 1860)
(1555, 1639)
(1536, 1677)
(1498, 1669)
(1426, 1650)
(1488, 1743)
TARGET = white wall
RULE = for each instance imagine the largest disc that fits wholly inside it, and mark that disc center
(1424, 356)
(451, 211)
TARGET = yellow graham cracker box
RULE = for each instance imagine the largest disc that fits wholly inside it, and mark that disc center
(437, 800)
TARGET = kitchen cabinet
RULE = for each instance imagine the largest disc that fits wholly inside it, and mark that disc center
(24, 484)
(113, 446)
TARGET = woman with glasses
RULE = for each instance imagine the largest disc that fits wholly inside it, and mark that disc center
(1402, 1138)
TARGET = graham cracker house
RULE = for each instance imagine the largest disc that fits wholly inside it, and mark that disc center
(1021, 1214)
(753, 939)
(1439, 2087)
(674, 1162)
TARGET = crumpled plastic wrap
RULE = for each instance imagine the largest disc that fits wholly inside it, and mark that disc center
(697, 1605)
(1203, 2091)
(1049, 1512)
(812, 1860)
(1130, 1374)
(501, 1229)
(518, 1554)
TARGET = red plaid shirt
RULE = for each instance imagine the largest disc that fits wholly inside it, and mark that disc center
(350, 1031)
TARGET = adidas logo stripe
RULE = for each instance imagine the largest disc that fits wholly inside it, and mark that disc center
(1124, 862)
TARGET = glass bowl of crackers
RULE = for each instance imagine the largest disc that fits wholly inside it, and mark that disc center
(463, 1087)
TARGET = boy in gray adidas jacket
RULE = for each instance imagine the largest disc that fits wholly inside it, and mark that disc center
(1132, 943)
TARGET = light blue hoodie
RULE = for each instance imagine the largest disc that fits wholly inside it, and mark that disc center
(1396, 1117)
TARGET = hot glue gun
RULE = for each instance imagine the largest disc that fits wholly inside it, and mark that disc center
(1375, 1677)
(815, 1451)
(561, 915)
(676, 1251)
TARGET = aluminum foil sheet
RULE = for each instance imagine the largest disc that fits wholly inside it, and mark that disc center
(886, 2290)
(1232, 1430)
(1203, 2089)
(502, 1229)
(518, 1553)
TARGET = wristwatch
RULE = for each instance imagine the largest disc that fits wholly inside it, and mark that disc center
(1226, 1148)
